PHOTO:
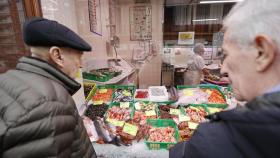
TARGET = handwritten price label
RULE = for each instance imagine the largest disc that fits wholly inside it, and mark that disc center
(192, 125)
(124, 105)
(183, 118)
(174, 112)
(99, 102)
(103, 90)
(116, 122)
(150, 113)
(130, 129)
(188, 92)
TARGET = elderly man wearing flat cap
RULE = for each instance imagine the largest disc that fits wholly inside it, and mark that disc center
(38, 117)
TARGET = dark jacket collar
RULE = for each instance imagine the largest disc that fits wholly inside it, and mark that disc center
(43, 68)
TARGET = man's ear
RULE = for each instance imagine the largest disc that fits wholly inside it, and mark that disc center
(266, 52)
(56, 56)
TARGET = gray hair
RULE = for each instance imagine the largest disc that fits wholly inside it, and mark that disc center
(198, 47)
(250, 18)
(40, 52)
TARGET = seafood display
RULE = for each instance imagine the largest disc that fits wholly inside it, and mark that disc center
(184, 131)
(104, 95)
(96, 111)
(133, 116)
(162, 134)
(216, 97)
(118, 113)
(200, 96)
(166, 112)
(141, 94)
(123, 95)
(196, 114)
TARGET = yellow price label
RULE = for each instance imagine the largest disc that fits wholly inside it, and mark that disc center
(130, 129)
(150, 113)
(192, 125)
(188, 92)
(185, 36)
(103, 90)
(124, 105)
(214, 110)
(208, 91)
(99, 102)
(116, 122)
(174, 112)
(183, 118)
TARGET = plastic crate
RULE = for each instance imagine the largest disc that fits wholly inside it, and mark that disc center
(207, 86)
(162, 123)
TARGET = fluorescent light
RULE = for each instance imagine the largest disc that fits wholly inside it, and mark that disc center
(229, 1)
(197, 20)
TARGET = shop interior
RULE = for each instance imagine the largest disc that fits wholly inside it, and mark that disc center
(137, 44)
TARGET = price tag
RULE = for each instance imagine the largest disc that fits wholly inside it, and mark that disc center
(137, 106)
(130, 129)
(214, 110)
(188, 92)
(99, 102)
(208, 91)
(126, 93)
(116, 122)
(174, 112)
(124, 105)
(183, 118)
(150, 113)
(192, 125)
(103, 90)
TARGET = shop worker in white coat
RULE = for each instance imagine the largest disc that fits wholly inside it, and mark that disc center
(194, 74)
(252, 61)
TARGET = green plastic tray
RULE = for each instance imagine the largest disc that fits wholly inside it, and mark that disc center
(161, 123)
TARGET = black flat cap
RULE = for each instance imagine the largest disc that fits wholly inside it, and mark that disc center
(44, 32)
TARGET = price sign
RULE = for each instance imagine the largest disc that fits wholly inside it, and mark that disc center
(130, 129)
(124, 105)
(116, 122)
(103, 90)
(188, 92)
(150, 113)
(99, 102)
(183, 118)
(192, 125)
(174, 112)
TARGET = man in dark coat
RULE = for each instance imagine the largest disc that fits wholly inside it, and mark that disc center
(38, 117)
(252, 55)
